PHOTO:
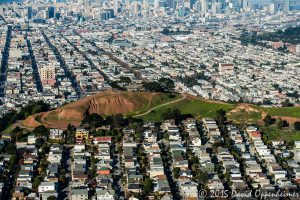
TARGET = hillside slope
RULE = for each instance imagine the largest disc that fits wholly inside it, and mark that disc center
(151, 106)
(104, 103)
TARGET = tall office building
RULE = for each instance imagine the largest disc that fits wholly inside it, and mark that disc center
(107, 14)
(156, 3)
(170, 3)
(243, 4)
(29, 12)
(216, 7)
(51, 12)
(145, 6)
(127, 4)
(116, 7)
(192, 3)
(294, 4)
(282, 5)
(181, 11)
(286, 5)
(135, 9)
(197, 7)
(203, 6)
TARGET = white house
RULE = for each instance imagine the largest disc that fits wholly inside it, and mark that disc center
(46, 187)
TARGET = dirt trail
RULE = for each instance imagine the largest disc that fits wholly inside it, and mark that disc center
(161, 105)
(104, 103)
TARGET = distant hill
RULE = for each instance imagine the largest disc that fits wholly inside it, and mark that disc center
(290, 35)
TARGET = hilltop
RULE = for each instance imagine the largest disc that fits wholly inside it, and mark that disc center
(104, 103)
(150, 106)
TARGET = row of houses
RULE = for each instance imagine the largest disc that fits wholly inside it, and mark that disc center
(79, 178)
(104, 166)
(30, 171)
(186, 185)
(28, 166)
(131, 167)
(278, 177)
(155, 170)
(49, 187)
(101, 159)
(20, 88)
(212, 131)
(211, 135)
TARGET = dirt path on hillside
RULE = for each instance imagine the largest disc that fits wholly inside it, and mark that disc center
(200, 116)
(161, 105)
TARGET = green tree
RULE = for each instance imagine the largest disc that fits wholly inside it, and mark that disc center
(36, 182)
(41, 131)
(201, 176)
(269, 120)
(176, 172)
(114, 84)
(290, 144)
(220, 116)
(6, 120)
(70, 134)
(11, 149)
(167, 84)
(172, 114)
(125, 79)
(165, 31)
(51, 198)
(153, 86)
(287, 103)
(12, 162)
(118, 120)
(31, 108)
(39, 142)
(92, 121)
(147, 186)
(282, 123)
(297, 126)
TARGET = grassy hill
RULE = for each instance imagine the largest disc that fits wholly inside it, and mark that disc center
(190, 105)
(150, 107)
(283, 111)
(104, 103)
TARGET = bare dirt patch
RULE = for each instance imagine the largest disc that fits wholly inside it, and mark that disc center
(104, 103)
(246, 113)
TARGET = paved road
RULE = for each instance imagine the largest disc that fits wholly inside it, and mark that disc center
(87, 58)
(168, 172)
(34, 65)
(68, 72)
(4, 62)
(161, 105)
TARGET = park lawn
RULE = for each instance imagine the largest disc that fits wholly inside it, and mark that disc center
(283, 111)
(274, 133)
(163, 98)
(157, 99)
(190, 106)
